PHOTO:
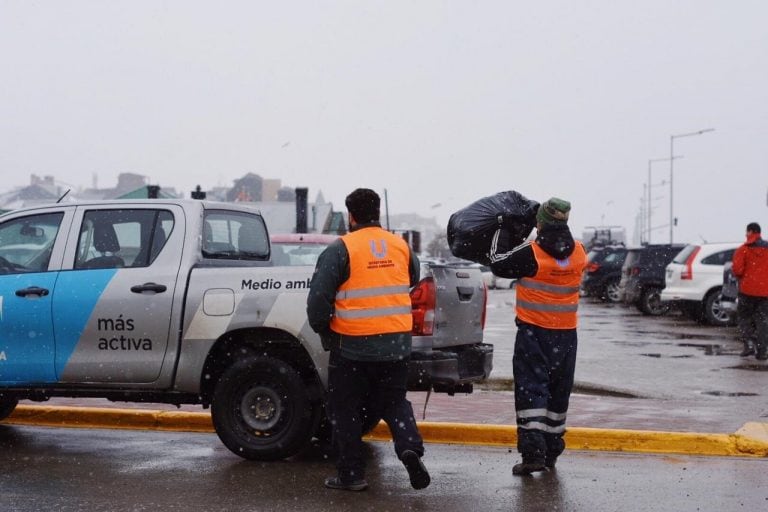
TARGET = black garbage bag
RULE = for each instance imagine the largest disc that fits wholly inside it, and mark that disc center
(471, 229)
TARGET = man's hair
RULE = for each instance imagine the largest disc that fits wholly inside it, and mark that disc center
(753, 227)
(363, 204)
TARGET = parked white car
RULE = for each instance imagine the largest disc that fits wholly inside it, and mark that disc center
(694, 281)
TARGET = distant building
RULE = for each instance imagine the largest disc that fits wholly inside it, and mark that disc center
(40, 191)
(281, 217)
(279, 210)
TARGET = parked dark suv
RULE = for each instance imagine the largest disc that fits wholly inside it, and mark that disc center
(603, 273)
(642, 276)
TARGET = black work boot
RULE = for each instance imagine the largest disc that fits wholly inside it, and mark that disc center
(528, 466)
(335, 482)
(416, 471)
(550, 462)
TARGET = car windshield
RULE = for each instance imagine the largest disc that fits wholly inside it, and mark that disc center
(614, 257)
(296, 253)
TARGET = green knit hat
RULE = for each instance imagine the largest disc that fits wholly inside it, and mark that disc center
(553, 211)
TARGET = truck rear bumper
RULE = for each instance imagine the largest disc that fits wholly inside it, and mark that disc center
(450, 371)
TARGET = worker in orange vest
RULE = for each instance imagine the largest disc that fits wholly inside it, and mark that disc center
(549, 271)
(360, 305)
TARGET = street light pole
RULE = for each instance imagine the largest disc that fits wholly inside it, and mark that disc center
(672, 173)
(648, 213)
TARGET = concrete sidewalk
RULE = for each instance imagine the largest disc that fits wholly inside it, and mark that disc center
(750, 441)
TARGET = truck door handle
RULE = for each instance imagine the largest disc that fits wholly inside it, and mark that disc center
(148, 287)
(32, 290)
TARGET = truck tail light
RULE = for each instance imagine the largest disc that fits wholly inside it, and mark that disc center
(423, 307)
(485, 304)
(593, 267)
(687, 272)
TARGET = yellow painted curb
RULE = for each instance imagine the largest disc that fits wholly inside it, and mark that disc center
(102, 417)
(749, 441)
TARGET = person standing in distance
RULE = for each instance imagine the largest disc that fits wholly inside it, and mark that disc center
(549, 271)
(360, 305)
(750, 266)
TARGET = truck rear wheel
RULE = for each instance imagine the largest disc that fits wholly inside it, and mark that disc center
(261, 410)
(7, 405)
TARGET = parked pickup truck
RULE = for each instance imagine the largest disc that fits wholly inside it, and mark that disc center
(178, 301)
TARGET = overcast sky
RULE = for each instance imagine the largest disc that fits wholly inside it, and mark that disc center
(439, 103)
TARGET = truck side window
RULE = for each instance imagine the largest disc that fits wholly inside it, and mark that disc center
(122, 238)
(234, 235)
(26, 243)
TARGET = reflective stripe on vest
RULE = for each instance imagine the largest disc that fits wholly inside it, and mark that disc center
(550, 299)
(375, 298)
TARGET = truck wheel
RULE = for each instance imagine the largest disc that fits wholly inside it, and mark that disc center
(7, 405)
(714, 314)
(261, 410)
(612, 292)
(651, 304)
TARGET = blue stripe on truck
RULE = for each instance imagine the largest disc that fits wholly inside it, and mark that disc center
(71, 316)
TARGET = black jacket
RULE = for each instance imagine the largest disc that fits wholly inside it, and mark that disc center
(331, 271)
(520, 261)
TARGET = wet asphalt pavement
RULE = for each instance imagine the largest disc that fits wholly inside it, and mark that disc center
(106, 470)
(647, 373)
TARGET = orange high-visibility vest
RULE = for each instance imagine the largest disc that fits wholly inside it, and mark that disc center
(551, 297)
(375, 298)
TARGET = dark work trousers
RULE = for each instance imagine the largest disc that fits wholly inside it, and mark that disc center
(753, 318)
(378, 386)
(543, 366)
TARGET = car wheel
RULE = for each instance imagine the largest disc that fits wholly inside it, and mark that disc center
(7, 406)
(714, 313)
(651, 303)
(261, 409)
(612, 292)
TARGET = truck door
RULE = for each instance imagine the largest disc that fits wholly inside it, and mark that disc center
(112, 308)
(28, 272)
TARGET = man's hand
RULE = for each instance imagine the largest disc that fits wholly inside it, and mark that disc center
(327, 339)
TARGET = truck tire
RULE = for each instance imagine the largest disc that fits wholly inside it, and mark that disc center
(261, 409)
(650, 302)
(7, 405)
(714, 314)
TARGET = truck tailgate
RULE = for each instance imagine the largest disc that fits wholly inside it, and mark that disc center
(459, 308)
